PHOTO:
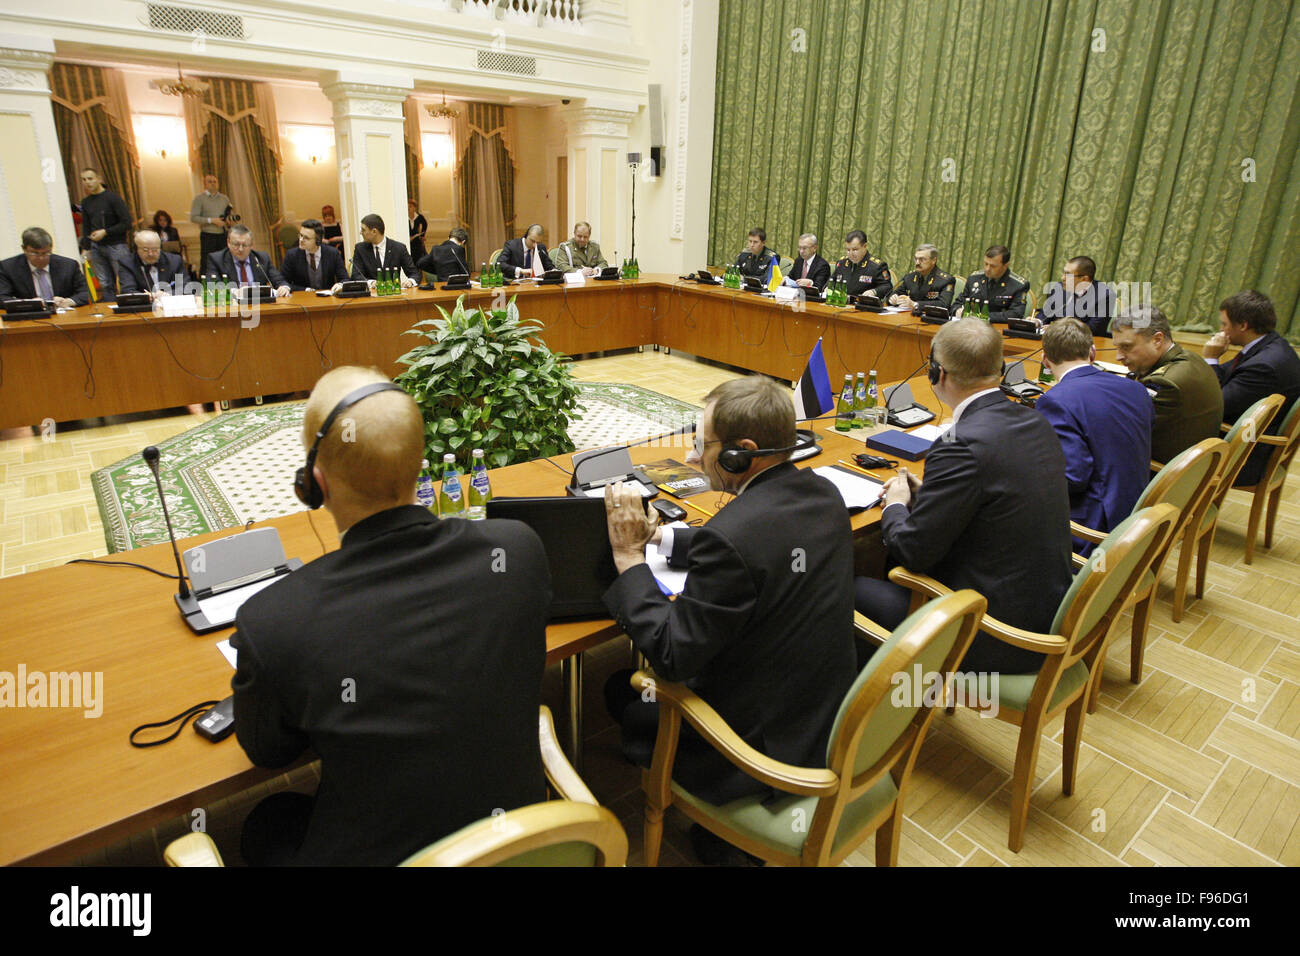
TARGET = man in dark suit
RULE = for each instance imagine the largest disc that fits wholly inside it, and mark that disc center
(1266, 365)
(313, 263)
(993, 512)
(763, 630)
(1186, 394)
(1079, 296)
(242, 265)
(1104, 424)
(38, 273)
(526, 256)
(809, 270)
(409, 660)
(151, 270)
(375, 252)
(448, 258)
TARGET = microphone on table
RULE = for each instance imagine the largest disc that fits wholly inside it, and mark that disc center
(151, 459)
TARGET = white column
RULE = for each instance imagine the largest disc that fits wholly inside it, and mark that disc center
(368, 135)
(33, 191)
(600, 183)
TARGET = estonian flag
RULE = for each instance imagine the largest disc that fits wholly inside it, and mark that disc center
(813, 396)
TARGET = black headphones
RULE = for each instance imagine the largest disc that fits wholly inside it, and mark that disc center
(304, 481)
(737, 460)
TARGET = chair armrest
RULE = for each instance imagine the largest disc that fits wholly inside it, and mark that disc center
(1078, 561)
(868, 630)
(1015, 636)
(193, 849)
(920, 583)
(1086, 533)
(805, 781)
(564, 779)
(1270, 439)
(1224, 428)
(1155, 465)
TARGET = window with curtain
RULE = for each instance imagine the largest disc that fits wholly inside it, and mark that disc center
(484, 178)
(1158, 137)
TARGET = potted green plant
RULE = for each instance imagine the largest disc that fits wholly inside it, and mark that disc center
(481, 383)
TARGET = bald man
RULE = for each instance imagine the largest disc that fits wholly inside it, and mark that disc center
(409, 659)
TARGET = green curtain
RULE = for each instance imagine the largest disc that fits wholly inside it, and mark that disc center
(1158, 137)
(266, 175)
(213, 151)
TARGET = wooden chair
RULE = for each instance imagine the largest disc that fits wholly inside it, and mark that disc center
(822, 813)
(1186, 483)
(571, 831)
(1199, 535)
(1269, 487)
(1073, 648)
(496, 254)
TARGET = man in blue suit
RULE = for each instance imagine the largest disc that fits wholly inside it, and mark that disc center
(1104, 424)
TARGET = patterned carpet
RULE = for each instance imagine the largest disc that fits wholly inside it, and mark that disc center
(239, 467)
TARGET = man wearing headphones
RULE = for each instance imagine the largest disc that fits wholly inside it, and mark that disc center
(993, 512)
(763, 629)
(409, 659)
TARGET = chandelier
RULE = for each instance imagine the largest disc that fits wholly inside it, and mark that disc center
(180, 86)
(442, 111)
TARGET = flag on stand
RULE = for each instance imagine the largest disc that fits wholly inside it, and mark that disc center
(813, 396)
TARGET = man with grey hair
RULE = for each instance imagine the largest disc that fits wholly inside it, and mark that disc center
(1184, 389)
(36, 273)
(241, 264)
(579, 254)
(926, 284)
(810, 270)
(151, 270)
(1104, 424)
(993, 512)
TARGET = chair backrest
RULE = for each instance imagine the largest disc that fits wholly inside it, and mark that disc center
(1289, 432)
(957, 287)
(1187, 482)
(1114, 568)
(556, 833)
(881, 714)
(496, 254)
(786, 264)
(1241, 440)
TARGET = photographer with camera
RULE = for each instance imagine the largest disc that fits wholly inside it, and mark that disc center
(211, 210)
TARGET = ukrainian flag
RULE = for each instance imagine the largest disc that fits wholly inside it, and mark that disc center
(773, 275)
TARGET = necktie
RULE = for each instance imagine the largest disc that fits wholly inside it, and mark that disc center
(43, 288)
(153, 277)
(313, 271)
(243, 274)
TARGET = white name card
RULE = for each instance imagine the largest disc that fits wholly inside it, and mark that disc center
(787, 293)
(575, 278)
(177, 305)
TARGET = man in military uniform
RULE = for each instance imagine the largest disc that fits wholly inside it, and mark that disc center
(997, 285)
(926, 284)
(1184, 389)
(757, 257)
(579, 254)
(861, 271)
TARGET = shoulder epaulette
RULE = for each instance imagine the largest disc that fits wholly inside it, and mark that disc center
(1017, 278)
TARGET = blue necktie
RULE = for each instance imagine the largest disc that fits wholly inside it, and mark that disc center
(43, 288)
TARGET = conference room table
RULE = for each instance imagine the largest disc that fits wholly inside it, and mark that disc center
(89, 362)
(72, 783)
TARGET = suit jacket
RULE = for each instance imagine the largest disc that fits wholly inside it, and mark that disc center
(819, 271)
(172, 272)
(445, 260)
(364, 265)
(1104, 424)
(993, 514)
(1271, 367)
(66, 279)
(763, 630)
(425, 715)
(1188, 402)
(1095, 306)
(513, 254)
(295, 268)
(223, 264)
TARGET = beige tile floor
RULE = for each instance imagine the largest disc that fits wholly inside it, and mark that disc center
(1197, 765)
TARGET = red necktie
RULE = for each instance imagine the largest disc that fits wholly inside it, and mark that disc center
(243, 273)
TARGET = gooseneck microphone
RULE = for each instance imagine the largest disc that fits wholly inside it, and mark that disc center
(151, 459)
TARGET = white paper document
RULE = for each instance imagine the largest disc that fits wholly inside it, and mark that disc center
(858, 491)
(671, 580)
(930, 432)
(229, 653)
(221, 608)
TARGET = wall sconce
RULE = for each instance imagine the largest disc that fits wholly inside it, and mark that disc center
(160, 134)
(436, 148)
(312, 143)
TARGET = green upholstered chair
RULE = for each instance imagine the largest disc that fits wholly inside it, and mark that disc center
(1269, 487)
(1073, 647)
(957, 288)
(821, 813)
(1187, 483)
(572, 831)
(1198, 536)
